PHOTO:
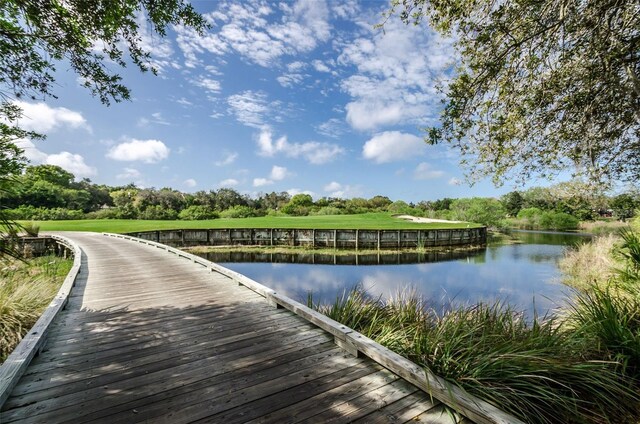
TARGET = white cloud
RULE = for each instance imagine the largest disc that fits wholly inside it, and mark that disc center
(392, 146)
(157, 118)
(249, 107)
(210, 85)
(159, 48)
(242, 27)
(148, 151)
(335, 189)
(184, 102)
(129, 174)
(424, 171)
(333, 186)
(31, 152)
(190, 182)
(320, 66)
(279, 173)
(73, 163)
(42, 118)
(454, 181)
(294, 191)
(260, 182)
(230, 182)
(396, 74)
(333, 128)
(346, 9)
(227, 159)
(314, 152)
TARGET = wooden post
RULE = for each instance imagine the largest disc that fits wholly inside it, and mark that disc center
(157, 236)
(418, 240)
(379, 231)
(357, 243)
(271, 237)
(251, 236)
(399, 241)
(230, 238)
(313, 239)
(335, 239)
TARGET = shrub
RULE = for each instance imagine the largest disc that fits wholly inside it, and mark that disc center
(158, 212)
(198, 212)
(529, 213)
(238, 211)
(28, 212)
(327, 210)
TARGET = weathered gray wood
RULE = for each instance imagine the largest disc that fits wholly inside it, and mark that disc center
(18, 361)
(178, 340)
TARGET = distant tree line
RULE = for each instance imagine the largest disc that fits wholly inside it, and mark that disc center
(48, 192)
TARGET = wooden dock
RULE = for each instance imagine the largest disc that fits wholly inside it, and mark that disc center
(148, 336)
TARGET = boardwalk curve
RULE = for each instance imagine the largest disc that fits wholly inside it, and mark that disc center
(150, 336)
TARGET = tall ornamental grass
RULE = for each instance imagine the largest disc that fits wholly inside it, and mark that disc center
(26, 289)
(550, 370)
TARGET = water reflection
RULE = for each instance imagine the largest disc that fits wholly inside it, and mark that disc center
(524, 275)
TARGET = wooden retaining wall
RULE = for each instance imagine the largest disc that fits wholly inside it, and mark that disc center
(43, 245)
(337, 239)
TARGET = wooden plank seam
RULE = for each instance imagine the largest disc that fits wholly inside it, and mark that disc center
(355, 343)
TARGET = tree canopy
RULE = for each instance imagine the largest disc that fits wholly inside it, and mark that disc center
(541, 85)
(86, 35)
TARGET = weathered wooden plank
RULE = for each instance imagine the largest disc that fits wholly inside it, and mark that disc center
(402, 410)
(146, 378)
(260, 410)
(329, 399)
(367, 402)
(153, 388)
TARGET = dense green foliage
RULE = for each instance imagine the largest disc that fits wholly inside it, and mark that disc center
(48, 192)
(541, 86)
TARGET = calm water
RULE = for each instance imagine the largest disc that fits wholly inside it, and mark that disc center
(522, 275)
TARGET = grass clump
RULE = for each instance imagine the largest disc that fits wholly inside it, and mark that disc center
(26, 289)
(590, 264)
(545, 371)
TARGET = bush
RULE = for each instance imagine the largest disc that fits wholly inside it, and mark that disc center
(529, 213)
(158, 212)
(198, 212)
(28, 212)
(238, 211)
(327, 210)
(558, 221)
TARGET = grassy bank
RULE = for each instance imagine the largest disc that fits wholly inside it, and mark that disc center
(580, 367)
(26, 289)
(373, 221)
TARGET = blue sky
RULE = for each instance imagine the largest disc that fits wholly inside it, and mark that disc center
(301, 96)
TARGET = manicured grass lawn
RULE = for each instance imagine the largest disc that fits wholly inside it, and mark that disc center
(371, 221)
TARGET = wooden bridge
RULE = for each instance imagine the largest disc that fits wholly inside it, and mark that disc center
(151, 336)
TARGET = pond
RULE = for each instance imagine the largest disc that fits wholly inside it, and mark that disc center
(524, 275)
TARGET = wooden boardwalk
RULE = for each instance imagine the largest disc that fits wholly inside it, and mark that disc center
(151, 337)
